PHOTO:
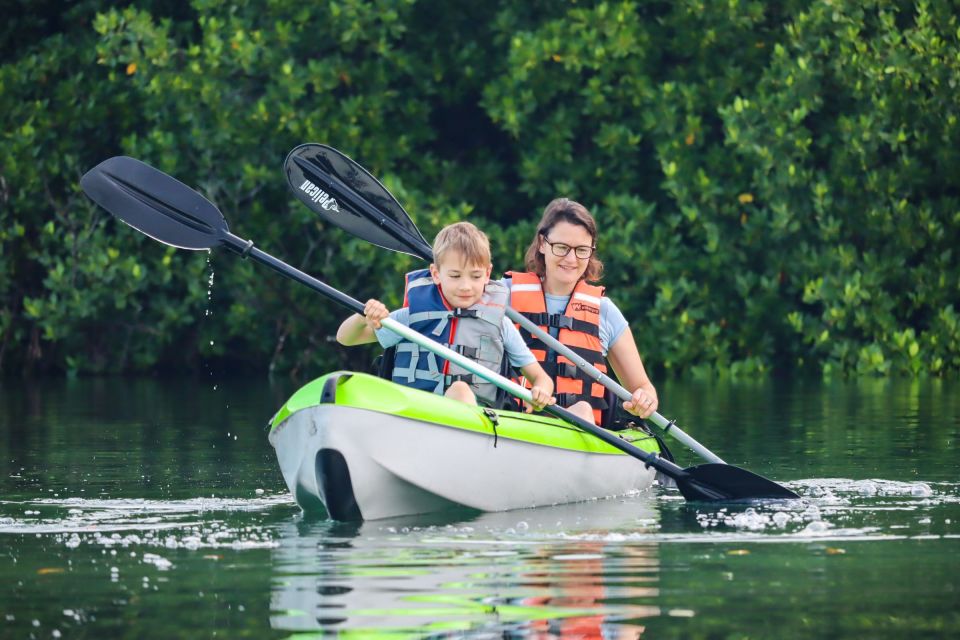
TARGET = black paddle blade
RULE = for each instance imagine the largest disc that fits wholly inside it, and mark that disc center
(345, 194)
(723, 482)
(155, 204)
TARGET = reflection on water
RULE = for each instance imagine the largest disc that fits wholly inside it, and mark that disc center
(522, 571)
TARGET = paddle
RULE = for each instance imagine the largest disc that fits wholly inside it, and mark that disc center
(169, 211)
(320, 175)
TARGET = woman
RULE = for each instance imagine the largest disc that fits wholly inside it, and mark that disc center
(555, 293)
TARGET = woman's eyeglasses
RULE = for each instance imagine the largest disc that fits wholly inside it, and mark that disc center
(560, 249)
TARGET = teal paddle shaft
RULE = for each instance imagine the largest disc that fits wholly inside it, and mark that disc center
(665, 425)
(518, 391)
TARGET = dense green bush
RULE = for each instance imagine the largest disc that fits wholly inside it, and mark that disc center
(774, 182)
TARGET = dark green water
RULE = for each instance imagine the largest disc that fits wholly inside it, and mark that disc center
(155, 509)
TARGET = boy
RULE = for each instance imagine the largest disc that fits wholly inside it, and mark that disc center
(455, 304)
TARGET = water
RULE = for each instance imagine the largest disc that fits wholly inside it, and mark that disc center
(152, 508)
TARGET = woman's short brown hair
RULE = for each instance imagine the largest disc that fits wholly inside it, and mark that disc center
(563, 210)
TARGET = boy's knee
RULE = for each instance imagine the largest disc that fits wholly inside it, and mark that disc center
(461, 391)
(583, 410)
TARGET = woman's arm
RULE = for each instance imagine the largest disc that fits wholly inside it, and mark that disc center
(624, 357)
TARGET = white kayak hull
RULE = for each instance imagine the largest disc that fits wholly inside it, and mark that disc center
(363, 464)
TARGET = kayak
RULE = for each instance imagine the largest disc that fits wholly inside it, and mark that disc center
(359, 447)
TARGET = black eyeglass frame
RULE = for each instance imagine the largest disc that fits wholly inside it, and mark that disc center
(576, 250)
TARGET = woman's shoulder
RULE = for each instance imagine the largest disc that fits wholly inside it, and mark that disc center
(609, 310)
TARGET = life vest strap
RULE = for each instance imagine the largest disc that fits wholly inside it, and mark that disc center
(563, 322)
(593, 357)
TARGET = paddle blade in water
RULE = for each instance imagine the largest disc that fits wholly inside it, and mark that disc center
(155, 204)
(713, 482)
(345, 194)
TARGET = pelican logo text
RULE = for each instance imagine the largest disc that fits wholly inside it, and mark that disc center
(319, 196)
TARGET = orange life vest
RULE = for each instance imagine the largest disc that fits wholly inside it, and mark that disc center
(579, 330)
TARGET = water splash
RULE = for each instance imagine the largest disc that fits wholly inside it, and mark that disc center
(135, 523)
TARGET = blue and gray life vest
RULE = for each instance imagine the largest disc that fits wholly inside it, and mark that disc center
(474, 332)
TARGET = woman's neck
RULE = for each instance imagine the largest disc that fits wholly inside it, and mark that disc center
(556, 289)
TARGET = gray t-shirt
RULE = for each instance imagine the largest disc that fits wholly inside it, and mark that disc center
(514, 347)
(612, 322)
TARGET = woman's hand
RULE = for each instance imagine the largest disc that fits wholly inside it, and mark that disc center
(642, 404)
(373, 313)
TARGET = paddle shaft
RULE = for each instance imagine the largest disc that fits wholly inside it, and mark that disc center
(518, 391)
(658, 420)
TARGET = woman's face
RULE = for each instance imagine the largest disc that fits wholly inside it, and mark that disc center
(564, 273)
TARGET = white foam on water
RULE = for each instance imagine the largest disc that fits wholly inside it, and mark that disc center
(110, 524)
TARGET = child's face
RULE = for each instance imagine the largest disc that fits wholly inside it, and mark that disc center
(460, 283)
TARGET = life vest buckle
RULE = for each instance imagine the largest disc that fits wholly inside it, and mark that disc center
(463, 377)
(562, 322)
(469, 352)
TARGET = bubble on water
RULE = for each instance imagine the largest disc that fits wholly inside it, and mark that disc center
(781, 519)
(818, 526)
(749, 519)
(259, 492)
(816, 491)
(73, 542)
(159, 562)
(921, 490)
(866, 488)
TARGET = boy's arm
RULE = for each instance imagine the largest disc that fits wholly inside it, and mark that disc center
(354, 330)
(359, 329)
(541, 385)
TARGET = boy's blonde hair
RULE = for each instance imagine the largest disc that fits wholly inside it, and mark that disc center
(464, 238)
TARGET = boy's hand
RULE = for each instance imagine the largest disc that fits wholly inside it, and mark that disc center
(373, 312)
(541, 397)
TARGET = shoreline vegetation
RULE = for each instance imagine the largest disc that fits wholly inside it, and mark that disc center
(775, 185)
